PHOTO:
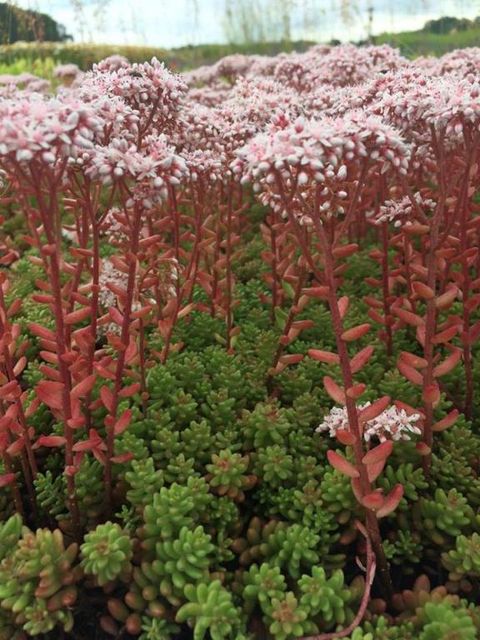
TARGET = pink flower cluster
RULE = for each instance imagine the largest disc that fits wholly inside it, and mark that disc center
(392, 424)
(319, 159)
(302, 123)
(48, 129)
(152, 169)
(149, 88)
(63, 71)
(403, 211)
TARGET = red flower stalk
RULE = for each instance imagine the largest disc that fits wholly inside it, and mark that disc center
(314, 173)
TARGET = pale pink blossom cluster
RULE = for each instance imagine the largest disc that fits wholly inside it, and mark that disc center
(149, 88)
(66, 71)
(210, 95)
(45, 129)
(112, 63)
(403, 211)
(111, 277)
(341, 66)
(232, 66)
(414, 102)
(153, 168)
(111, 227)
(392, 424)
(25, 81)
(461, 61)
(109, 274)
(206, 163)
(256, 100)
(199, 128)
(23, 86)
(319, 159)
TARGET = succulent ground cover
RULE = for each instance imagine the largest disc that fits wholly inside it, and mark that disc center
(239, 322)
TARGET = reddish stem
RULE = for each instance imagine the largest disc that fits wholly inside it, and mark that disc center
(386, 291)
(292, 313)
(354, 426)
(124, 339)
(369, 577)
(228, 267)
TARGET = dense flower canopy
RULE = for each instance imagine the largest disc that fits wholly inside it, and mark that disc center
(308, 117)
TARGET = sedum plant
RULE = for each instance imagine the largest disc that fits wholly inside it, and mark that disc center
(38, 580)
(209, 608)
(106, 553)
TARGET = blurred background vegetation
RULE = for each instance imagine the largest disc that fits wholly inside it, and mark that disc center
(32, 41)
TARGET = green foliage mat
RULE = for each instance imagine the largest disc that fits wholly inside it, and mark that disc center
(229, 522)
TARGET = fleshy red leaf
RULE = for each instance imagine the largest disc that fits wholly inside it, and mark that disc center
(373, 501)
(324, 356)
(84, 387)
(374, 470)
(411, 374)
(123, 422)
(41, 332)
(345, 437)
(446, 335)
(339, 463)
(356, 390)
(50, 392)
(345, 250)
(431, 394)
(361, 358)
(50, 441)
(11, 388)
(423, 449)
(413, 360)
(291, 358)
(6, 479)
(422, 290)
(123, 457)
(334, 391)
(446, 299)
(379, 453)
(343, 304)
(374, 410)
(355, 333)
(316, 292)
(129, 391)
(448, 364)
(77, 316)
(106, 396)
(408, 317)
(391, 502)
(447, 421)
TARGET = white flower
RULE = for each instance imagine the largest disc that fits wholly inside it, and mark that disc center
(391, 424)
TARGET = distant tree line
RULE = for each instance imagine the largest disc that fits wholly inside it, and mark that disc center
(28, 26)
(449, 24)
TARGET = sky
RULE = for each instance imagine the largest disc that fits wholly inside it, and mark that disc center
(173, 23)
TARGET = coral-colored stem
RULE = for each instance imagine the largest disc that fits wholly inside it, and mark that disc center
(386, 291)
(371, 520)
(369, 578)
(292, 313)
(125, 340)
(228, 268)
